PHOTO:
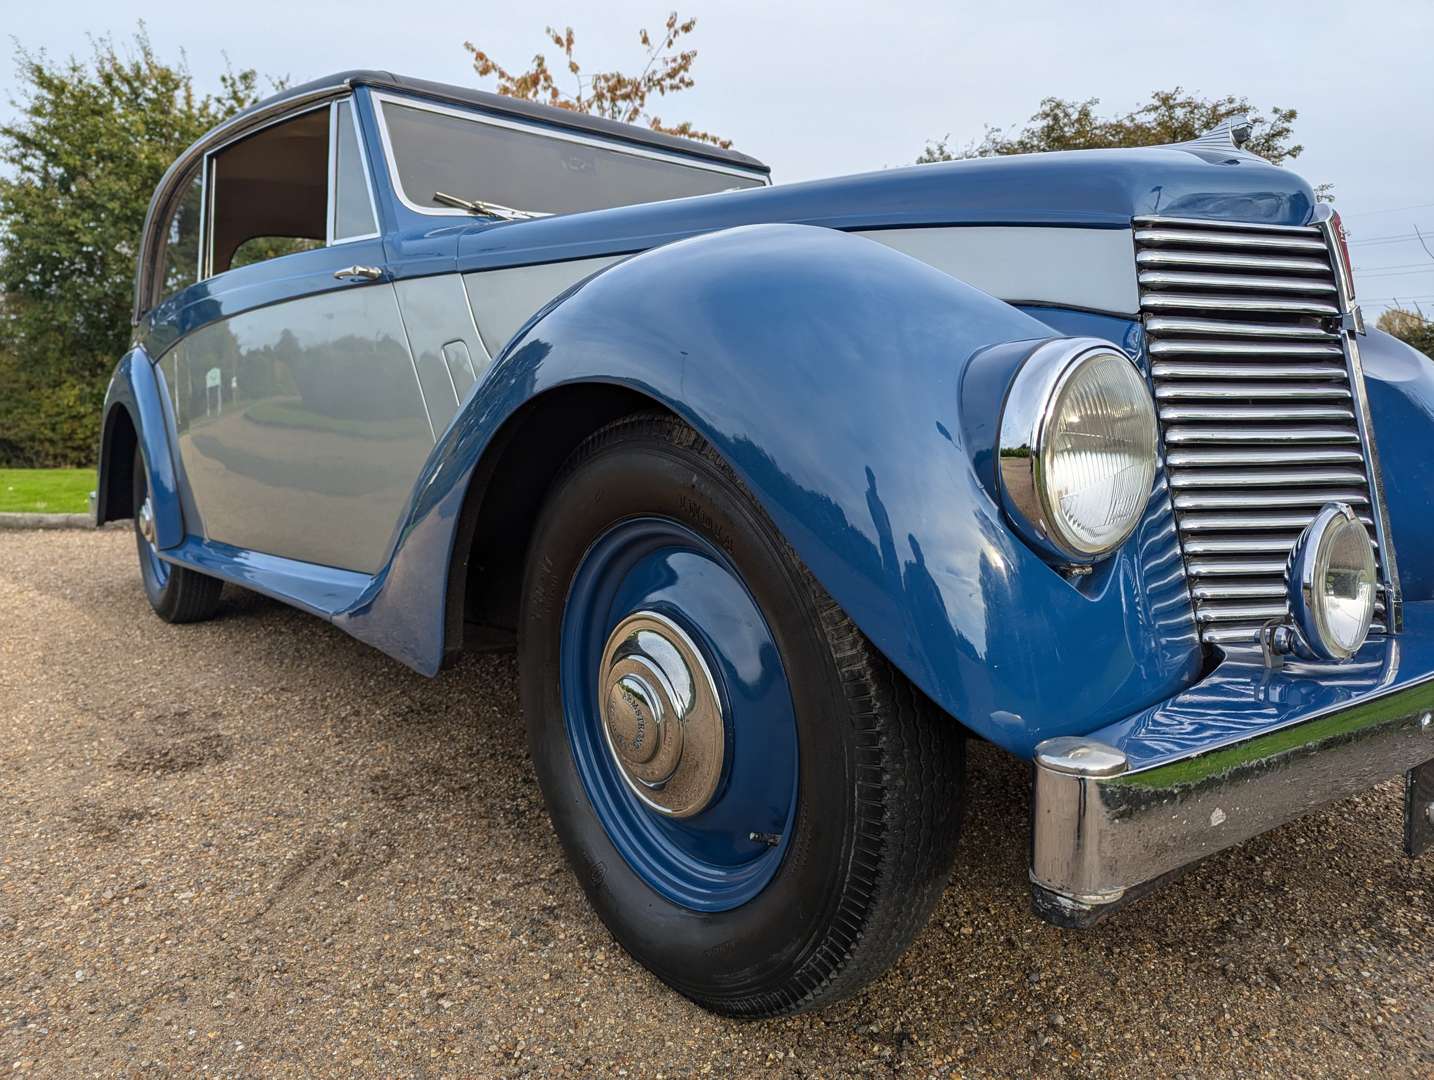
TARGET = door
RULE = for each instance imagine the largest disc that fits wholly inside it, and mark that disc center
(300, 425)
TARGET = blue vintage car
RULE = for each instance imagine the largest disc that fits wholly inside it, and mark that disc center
(783, 492)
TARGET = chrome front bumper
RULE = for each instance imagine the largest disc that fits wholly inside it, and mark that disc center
(1105, 833)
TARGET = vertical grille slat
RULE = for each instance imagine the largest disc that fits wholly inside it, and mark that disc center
(1257, 405)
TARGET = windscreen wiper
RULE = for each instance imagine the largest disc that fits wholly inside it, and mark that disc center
(487, 209)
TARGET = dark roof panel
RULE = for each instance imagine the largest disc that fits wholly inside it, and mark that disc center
(527, 110)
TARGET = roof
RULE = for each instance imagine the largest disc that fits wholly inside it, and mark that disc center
(527, 110)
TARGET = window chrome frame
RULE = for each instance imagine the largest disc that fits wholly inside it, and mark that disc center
(331, 237)
(381, 97)
(207, 206)
(167, 191)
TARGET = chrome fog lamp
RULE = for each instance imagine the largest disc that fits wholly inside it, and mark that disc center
(1333, 585)
(1078, 448)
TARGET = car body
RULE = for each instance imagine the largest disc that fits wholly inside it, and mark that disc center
(365, 423)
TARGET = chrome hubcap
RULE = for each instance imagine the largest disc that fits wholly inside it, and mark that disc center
(146, 520)
(661, 715)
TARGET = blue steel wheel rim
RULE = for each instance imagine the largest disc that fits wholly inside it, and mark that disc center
(155, 567)
(152, 567)
(727, 853)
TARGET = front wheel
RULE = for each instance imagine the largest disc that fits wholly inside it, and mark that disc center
(761, 809)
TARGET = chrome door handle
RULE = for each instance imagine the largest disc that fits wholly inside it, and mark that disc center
(359, 273)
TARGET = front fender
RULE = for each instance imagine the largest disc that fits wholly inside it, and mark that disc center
(828, 370)
(134, 397)
(1400, 383)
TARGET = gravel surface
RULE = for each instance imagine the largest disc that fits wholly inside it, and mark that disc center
(257, 847)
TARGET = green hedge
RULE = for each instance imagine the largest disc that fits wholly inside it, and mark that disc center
(47, 422)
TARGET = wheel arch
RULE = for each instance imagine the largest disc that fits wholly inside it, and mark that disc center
(135, 414)
(118, 439)
(506, 492)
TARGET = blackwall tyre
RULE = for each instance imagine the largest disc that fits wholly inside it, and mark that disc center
(758, 806)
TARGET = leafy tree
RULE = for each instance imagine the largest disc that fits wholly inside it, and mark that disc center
(1169, 116)
(1412, 327)
(82, 157)
(613, 94)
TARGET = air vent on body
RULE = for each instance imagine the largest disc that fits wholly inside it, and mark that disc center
(1258, 405)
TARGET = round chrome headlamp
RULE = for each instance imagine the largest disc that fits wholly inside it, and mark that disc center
(1078, 448)
(1332, 583)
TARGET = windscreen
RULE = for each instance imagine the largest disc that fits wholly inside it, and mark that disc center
(528, 170)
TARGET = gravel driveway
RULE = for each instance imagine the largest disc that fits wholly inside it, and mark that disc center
(257, 847)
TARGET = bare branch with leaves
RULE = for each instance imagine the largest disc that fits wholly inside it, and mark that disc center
(667, 69)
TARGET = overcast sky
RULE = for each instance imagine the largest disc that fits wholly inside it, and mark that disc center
(823, 87)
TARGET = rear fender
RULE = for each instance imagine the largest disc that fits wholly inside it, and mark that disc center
(134, 397)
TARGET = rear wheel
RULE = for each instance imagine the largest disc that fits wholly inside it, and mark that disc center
(177, 594)
(758, 806)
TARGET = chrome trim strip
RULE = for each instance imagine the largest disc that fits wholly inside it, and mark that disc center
(1185, 324)
(1240, 612)
(1294, 455)
(206, 211)
(1280, 411)
(1231, 259)
(1325, 221)
(1254, 391)
(1243, 545)
(206, 238)
(1206, 302)
(1228, 521)
(1275, 587)
(1224, 500)
(1200, 279)
(1103, 837)
(330, 203)
(1237, 567)
(1160, 221)
(1204, 369)
(1200, 478)
(1182, 347)
(1175, 435)
(381, 97)
(1388, 564)
(1247, 635)
(1202, 238)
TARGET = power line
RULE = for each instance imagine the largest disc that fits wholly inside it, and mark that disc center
(1425, 268)
(1426, 264)
(1385, 239)
(1387, 210)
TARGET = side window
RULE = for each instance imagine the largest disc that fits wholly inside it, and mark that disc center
(269, 193)
(180, 265)
(352, 209)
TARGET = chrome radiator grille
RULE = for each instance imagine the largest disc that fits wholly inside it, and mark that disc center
(1258, 405)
